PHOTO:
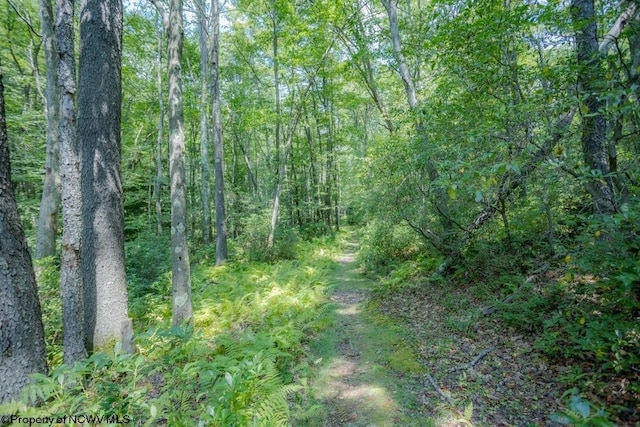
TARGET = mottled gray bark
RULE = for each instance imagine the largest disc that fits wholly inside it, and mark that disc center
(157, 187)
(218, 147)
(99, 110)
(71, 289)
(50, 203)
(207, 234)
(594, 128)
(22, 349)
(182, 307)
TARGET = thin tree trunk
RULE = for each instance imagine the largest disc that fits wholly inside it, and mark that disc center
(207, 235)
(22, 348)
(50, 203)
(71, 288)
(221, 220)
(594, 129)
(276, 83)
(157, 187)
(182, 308)
(99, 133)
(441, 198)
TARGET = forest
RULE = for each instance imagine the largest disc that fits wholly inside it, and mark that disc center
(320, 212)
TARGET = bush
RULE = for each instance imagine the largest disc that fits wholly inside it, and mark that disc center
(313, 230)
(383, 243)
(254, 239)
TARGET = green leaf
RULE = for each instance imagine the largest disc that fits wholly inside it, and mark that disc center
(479, 196)
(580, 406)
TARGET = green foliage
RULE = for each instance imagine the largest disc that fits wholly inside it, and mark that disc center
(241, 364)
(254, 239)
(313, 230)
(581, 414)
(48, 278)
(384, 243)
(148, 256)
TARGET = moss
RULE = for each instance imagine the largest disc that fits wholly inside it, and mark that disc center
(403, 360)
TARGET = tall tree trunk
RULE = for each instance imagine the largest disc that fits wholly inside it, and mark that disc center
(594, 129)
(99, 114)
(221, 220)
(441, 198)
(182, 308)
(204, 129)
(22, 348)
(276, 84)
(157, 187)
(71, 289)
(50, 203)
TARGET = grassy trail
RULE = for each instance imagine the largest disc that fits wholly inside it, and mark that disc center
(356, 382)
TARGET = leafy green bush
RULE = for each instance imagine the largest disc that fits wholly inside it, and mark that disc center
(384, 243)
(255, 234)
(314, 230)
(148, 257)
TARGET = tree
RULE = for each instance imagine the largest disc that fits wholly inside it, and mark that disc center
(441, 199)
(99, 115)
(71, 289)
(157, 185)
(218, 150)
(22, 348)
(182, 307)
(594, 125)
(201, 13)
(49, 205)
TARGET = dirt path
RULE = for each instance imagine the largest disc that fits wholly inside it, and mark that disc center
(354, 383)
(393, 358)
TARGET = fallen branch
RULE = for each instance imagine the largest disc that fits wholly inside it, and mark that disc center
(439, 391)
(474, 361)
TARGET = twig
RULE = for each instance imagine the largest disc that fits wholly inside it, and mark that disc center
(479, 357)
(474, 361)
(440, 392)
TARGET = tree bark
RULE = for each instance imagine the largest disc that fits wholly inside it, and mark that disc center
(594, 129)
(207, 235)
(71, 288)
(50, 203)
(99, 115)
(157, 187)
(218, 147)
(22, 348)
(182, 308)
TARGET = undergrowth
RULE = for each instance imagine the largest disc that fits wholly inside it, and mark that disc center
(580, 307)
(242, 362)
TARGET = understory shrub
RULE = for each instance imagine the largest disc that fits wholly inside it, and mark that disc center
(587, 315)
(314, 230)
(255, 234)
(242, 363)
(384, 243)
